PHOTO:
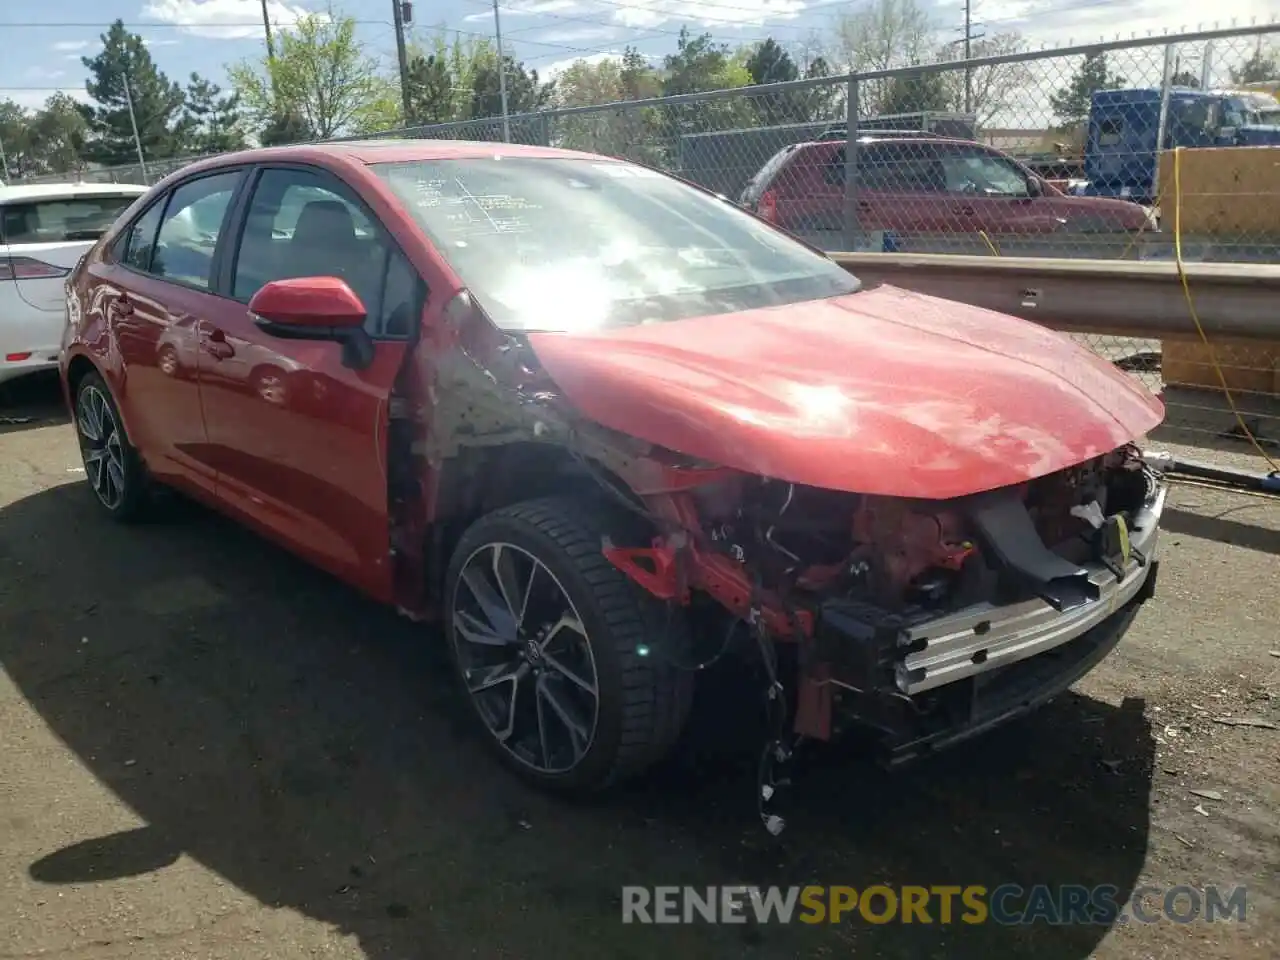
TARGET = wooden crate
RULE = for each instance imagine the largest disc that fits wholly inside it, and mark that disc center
(1227, 192)
(1251, 366)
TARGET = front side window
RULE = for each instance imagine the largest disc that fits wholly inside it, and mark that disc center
(304, 224)
(62, 220)
(985, 174)
(582, 244)
(189, 232)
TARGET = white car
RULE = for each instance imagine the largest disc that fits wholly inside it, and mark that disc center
(44, 230)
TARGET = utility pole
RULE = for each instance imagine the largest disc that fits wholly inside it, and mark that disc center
(133, 122)
(502, 74)
(401, 14)
(969, 37)
(266, 26)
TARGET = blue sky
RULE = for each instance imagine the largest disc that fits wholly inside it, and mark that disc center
(44, 39)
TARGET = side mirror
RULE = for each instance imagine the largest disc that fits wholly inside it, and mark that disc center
(1035, 187)
(315, 308)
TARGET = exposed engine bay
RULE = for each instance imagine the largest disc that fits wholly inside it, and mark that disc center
(808, 544)
(921, 620)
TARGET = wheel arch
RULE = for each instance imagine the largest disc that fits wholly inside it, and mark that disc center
(483, 479)
(80, 366)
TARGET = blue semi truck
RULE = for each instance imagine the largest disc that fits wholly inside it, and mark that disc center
(1124, 127)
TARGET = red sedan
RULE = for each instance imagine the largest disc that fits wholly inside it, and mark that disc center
(604, 425)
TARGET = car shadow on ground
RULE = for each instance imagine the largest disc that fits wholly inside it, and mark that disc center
(31, 401)
(305, 744)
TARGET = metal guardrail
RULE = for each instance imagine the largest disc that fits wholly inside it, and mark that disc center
(1117, 298)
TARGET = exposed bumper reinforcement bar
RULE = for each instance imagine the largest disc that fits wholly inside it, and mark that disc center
(984, 637)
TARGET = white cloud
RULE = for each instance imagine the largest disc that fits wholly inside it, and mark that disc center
(223, 19)
(640, 14)
(554, 69)
(1052, 22)
(67, 45)
(152, 42)
(523, 8)
(570, 33)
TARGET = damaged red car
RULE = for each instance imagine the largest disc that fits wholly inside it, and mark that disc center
(602, 424)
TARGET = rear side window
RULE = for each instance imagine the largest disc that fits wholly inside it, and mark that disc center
(61, 220)
(902, 167)
(140, 240)
(189, 232)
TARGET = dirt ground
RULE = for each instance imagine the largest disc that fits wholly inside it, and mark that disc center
(208, 750)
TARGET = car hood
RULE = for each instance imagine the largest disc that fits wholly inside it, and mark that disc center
(882, 392)
(1102, 213)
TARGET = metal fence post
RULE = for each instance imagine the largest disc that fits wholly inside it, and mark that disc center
(851, 228)
(1162, 125)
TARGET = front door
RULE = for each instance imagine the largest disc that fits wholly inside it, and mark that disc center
(299, 439)
(993, 193)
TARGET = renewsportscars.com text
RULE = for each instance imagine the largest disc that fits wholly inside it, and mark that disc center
(1008, 904)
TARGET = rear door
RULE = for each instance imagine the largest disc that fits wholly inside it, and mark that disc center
(901, 189)
(155, 287)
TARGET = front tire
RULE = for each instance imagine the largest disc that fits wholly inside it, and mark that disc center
(554, 648)
(112, 466)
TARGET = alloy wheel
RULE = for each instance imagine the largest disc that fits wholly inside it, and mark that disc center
(101, 445)
(525, 657)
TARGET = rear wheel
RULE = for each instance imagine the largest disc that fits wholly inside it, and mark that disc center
(111, 464)
(552, 645)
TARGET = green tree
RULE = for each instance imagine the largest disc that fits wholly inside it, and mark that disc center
(1071, 103)
(769, 63)
(699, 65)
(639, 80)
(1260, 66)
(525, 92)
(915, 92)
(214, 121)
(441, 78)
(286, 127)
(321, 74)
(58, 132)
(121, 71)
(14, 139)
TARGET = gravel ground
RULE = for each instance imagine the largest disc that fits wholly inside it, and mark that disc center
(210, 750)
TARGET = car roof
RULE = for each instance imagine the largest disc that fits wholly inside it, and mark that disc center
(394, 150)
(27, 192)
(896, 138)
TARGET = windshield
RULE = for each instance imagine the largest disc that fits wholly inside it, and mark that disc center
(582, 244)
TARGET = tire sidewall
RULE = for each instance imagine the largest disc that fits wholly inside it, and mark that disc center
(133, 478)
(595, 767)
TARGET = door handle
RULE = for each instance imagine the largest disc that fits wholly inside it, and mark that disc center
(215, 344)
(964, 211)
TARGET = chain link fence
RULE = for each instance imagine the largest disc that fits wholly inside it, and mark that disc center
(1109, 151)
